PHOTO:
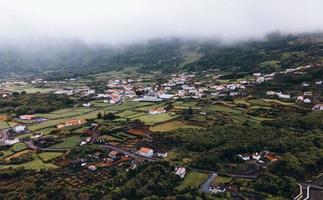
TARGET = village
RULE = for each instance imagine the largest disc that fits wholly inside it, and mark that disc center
(122, 126)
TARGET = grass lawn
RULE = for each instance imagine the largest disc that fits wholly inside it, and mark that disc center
(19, 147)
(69, 142)
(192, 180)
(48, 156)
(153, 119)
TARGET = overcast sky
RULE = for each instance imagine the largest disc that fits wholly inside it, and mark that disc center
(124, 21)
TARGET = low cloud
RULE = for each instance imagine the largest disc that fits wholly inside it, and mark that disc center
(128, 21)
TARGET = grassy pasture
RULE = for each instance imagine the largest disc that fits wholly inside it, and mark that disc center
(69, 142)
(169, 126)
(185, 104)
(223, 108)
(192, 180)
(3, 125)
(6, 153)
(154, 119)
(48, 156)
(36, 164)
(19, 147)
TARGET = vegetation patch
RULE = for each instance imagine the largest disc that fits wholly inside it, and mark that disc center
(48, 156)
(193, 180)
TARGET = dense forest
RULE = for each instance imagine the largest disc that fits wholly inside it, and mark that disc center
(23, 103)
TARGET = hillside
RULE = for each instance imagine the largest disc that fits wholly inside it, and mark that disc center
(74, 57)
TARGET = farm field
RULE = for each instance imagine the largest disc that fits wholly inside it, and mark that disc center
(36, 164)
(172, 125)
(19, 147)
(221, 180)
(154, 119)
(48, 156)
(185, 104)
(192, 180)
(69, 142)
(4, 125)
(222, 108)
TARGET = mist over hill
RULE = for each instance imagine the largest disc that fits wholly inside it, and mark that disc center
(167, 55)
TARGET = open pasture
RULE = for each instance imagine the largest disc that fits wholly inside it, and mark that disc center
(68, 142)
(48, 156)
(154, 119)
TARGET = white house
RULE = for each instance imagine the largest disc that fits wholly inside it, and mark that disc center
(87, 105)
(11, 142)
(307, 100)
(20, 128)
(256, 156)
(181, 171)
(244, 157)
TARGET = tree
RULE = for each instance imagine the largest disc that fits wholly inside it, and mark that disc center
(99, 115)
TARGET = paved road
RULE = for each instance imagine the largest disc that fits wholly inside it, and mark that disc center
(205, 186)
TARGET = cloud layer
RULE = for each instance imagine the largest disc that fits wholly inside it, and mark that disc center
(126, 21)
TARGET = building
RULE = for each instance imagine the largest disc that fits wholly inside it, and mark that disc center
(166, 96)
(26, 117)
(113, 154)
(244, 157)
(318, 107)
(180, 171)
(11, 141)
(157, 111)
(87, 105)
(20, 129)
(146, 152)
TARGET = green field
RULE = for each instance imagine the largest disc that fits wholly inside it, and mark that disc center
(3, 125)
(69, 142)
(270, 64)
(48, 156)
(221, 180)
(192, 180)
(222, 108)
(36, 164)
(6, 153)
(185, 105)
(172, 125)
(19, 147)
(154, 119)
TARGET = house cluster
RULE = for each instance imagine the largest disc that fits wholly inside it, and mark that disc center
(262, 157)
(94, 160)
(149, 153)
(278, 94)
(318, 107)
